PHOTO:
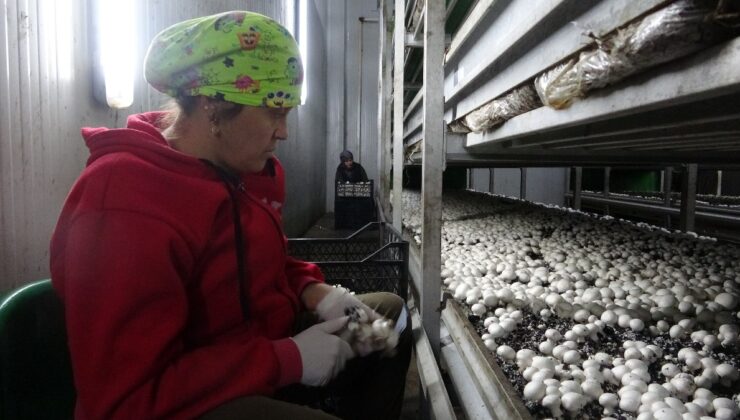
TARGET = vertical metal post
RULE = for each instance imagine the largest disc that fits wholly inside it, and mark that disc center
(523, 183)
(399, 32)
(688, 197)
(336, 93)
(358, 152)
(577, 188)
(434, 155)
(607, 180)
(667, 198)
(385, 86)
(719, 183)
(491, 186)
(567, 186)
(469, 178)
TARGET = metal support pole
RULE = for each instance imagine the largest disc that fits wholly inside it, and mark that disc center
(434, 155)
(469, 178)
(491, 186)
(385, 86)
(688, 197)
(667, 198)
(607, 180)
(523, 183)
(577, 188)
(358, 152)
(719, 183)
(399, 31)
(567, 186)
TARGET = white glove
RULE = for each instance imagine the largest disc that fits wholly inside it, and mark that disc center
(323, 354)
(339, 302)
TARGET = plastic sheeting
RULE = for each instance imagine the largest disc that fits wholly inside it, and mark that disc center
(498, 111)
(677, 30)
(459, 126)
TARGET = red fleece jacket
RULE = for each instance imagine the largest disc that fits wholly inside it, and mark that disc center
(143, 257)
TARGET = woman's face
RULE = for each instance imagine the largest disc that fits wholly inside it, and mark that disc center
(248, 140)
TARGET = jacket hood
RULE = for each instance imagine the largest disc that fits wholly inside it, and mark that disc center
(142, 137)
(345, 156)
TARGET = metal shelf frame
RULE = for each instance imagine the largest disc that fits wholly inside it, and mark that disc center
(684, 113)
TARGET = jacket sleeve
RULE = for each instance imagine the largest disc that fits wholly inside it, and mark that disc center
(121, 276)
(363, 174)
(339, 176)
(300, 274)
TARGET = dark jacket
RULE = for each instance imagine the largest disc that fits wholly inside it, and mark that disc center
(354, 174)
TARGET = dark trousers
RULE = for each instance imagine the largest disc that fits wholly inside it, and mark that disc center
(369, 387)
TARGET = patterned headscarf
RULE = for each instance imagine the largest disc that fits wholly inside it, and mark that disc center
(237, 56)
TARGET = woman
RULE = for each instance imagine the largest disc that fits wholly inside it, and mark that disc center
(349, 170)
(169, 255)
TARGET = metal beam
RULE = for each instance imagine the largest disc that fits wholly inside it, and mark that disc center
(413, 105)
(695, 117)
(475, 17)
(412, 41)
(435, 396)
(688, 197)
(667, 197)
(385, 89)
(643, 139)
(398, 33)
(670, 142)
(503, 67)
(434, 154)
(719, 183)
(523, 183)
(707, 143)
(658, 208)
(675, 83)
(607, 180)
(450, 7)
(541, 159)
(577, 188)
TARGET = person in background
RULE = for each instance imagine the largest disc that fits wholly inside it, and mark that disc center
(349, 170)
(170, 258)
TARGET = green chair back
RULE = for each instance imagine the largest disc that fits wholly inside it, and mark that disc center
(35, 369)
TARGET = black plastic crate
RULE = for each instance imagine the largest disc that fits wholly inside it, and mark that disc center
(354, 189)
(354, 205)
(373, 259)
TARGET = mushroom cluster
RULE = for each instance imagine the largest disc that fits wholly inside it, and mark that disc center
(592, 315)
(367, 336)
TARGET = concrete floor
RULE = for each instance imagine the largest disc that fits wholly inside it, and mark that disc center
(324, 228)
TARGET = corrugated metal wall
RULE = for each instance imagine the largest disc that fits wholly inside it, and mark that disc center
(348, 95)
(46, 96)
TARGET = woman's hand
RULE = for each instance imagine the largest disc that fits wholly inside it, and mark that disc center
(338, 302)
(323, 354)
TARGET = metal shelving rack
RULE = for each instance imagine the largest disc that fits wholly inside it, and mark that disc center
(678, 115)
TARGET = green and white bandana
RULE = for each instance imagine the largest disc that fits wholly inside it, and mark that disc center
(237, 56)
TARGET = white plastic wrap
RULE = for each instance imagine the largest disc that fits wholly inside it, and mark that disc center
(674, 31)
(496, 112)
(459, 126)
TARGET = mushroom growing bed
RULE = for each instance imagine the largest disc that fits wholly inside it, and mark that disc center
(594, 317)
